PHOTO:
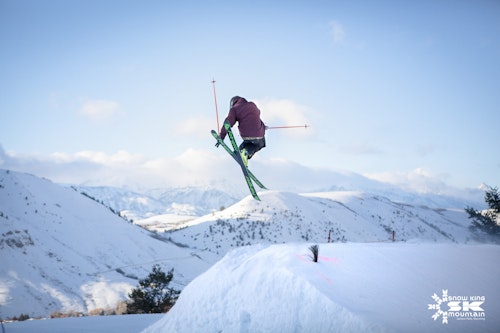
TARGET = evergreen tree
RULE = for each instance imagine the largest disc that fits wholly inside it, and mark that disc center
(487, 220)
(153, 294)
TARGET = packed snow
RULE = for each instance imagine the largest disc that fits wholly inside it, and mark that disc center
(94, 324)
(352, 288)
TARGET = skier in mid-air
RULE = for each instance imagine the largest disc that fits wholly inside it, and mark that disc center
(251, 127)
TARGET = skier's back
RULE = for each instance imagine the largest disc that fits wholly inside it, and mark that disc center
(250, 126)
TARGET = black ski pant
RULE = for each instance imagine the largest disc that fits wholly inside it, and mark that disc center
(253, 145)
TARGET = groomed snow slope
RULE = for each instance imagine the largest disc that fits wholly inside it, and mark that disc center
(353, 288)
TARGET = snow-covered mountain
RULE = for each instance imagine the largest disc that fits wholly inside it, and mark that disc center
(316, 217)
(188, 201)
(166, 208)
(61, 251)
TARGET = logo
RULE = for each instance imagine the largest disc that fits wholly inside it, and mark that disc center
(459, 307)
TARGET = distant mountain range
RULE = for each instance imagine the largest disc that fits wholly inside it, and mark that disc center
(200, 200)
(194, 201)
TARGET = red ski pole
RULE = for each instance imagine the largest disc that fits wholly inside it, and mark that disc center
(216, 109)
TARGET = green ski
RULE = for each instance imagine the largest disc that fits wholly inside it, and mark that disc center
(249, 176)
(226, 147)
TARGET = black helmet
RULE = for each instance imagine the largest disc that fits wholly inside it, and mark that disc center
(233, 101)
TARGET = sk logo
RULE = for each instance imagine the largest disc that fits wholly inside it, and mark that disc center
(459, 307)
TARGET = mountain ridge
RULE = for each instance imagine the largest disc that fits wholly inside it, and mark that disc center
(62, 251)
(347, 216)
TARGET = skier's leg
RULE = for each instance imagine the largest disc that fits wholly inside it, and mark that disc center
(253, 146)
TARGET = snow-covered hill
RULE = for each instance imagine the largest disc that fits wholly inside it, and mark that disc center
(353, 287)
(315, 217)
(166, 208)
(183, 201)
(61, 251)
(64, 251)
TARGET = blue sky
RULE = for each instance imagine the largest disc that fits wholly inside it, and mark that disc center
(391, 89)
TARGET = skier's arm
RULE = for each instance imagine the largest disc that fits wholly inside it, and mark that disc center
(231, 118)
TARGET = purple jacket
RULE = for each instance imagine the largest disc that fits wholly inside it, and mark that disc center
(247, 114)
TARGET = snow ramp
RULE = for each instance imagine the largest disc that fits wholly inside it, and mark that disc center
(354, 287)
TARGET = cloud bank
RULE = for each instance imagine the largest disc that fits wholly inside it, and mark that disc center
(214, 168)
(121, 169)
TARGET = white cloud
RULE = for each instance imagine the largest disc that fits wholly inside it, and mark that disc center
(284, 112)
(121, 157)
(123, 169)
(197, 126)
(337, 31)
(419, 180)
(55, 100)
(99, 111)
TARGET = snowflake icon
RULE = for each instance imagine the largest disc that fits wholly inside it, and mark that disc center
(437, 306)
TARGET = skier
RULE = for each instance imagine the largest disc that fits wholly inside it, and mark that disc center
(251, 127)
